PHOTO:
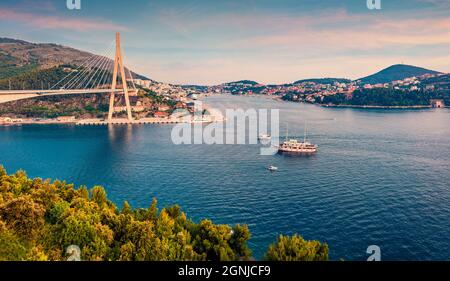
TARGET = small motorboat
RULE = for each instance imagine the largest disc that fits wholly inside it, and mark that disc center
(272, 168)
(264, 137)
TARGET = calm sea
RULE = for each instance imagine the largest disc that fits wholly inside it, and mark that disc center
(381, 177)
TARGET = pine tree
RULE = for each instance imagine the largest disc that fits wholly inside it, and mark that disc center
(295, 248)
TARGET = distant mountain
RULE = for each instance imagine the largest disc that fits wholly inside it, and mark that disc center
(10, 40)
(323, 80)
(396, 72)
(26, 56)
(241, 82)
(200, 88)
(18, 57)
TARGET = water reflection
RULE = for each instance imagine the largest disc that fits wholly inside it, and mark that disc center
(121, 134)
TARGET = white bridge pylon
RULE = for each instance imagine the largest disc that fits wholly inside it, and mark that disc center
(91, 77)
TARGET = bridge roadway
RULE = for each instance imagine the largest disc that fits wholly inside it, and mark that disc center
(13, 95)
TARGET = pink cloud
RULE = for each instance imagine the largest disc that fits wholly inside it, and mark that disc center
(56, 22)
(349, 32)
(327, 30)
(287, 48)
(32, 5)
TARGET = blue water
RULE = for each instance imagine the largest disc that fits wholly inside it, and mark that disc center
(381, 177)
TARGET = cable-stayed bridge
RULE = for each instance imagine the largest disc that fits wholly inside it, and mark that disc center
(98, 74)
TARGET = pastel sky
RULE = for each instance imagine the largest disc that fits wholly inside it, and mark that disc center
(269, 41)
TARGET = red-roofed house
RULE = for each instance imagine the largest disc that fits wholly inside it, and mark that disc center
(161, 114)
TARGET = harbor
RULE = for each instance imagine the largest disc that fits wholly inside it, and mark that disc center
(99, 122)
(209, 115)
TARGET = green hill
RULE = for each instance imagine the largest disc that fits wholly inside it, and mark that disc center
(18, 57)
(323, 80)
(396, 72)
(242, 82)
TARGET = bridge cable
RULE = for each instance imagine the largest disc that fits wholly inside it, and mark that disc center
(71, 83)
(89, 71)
(76, 70)
(131, 78)
(99, 67)
(72, 72)
(99, 71)
(81, 76)
(107, 71)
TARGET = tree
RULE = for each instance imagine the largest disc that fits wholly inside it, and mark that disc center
(36, 254)
(84, 193)
(56, 213)
(126, 209)
(99, 195)
(213, 241)
(86, 231)
(383, 97)
(295, 248)
(2, 171)
(238, 241)
(11, 249)
(23, 216)
(153, 210)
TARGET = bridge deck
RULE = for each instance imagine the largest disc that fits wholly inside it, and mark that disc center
(13, 95)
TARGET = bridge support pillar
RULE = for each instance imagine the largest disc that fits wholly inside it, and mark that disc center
(119, 66)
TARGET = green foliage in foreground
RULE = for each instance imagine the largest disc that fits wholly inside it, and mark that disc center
(295, 248)
(40, 219)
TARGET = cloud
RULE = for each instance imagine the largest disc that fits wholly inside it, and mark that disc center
(56, 22)
(340, 31)
(33, 5)
(279, 48)
(218, 70)
(439, 3)
(326, 30)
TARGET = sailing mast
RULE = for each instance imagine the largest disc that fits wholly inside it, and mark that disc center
(287, 131)
(304, 139)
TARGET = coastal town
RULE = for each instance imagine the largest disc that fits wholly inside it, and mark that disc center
(154, 103)
(323, 90)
